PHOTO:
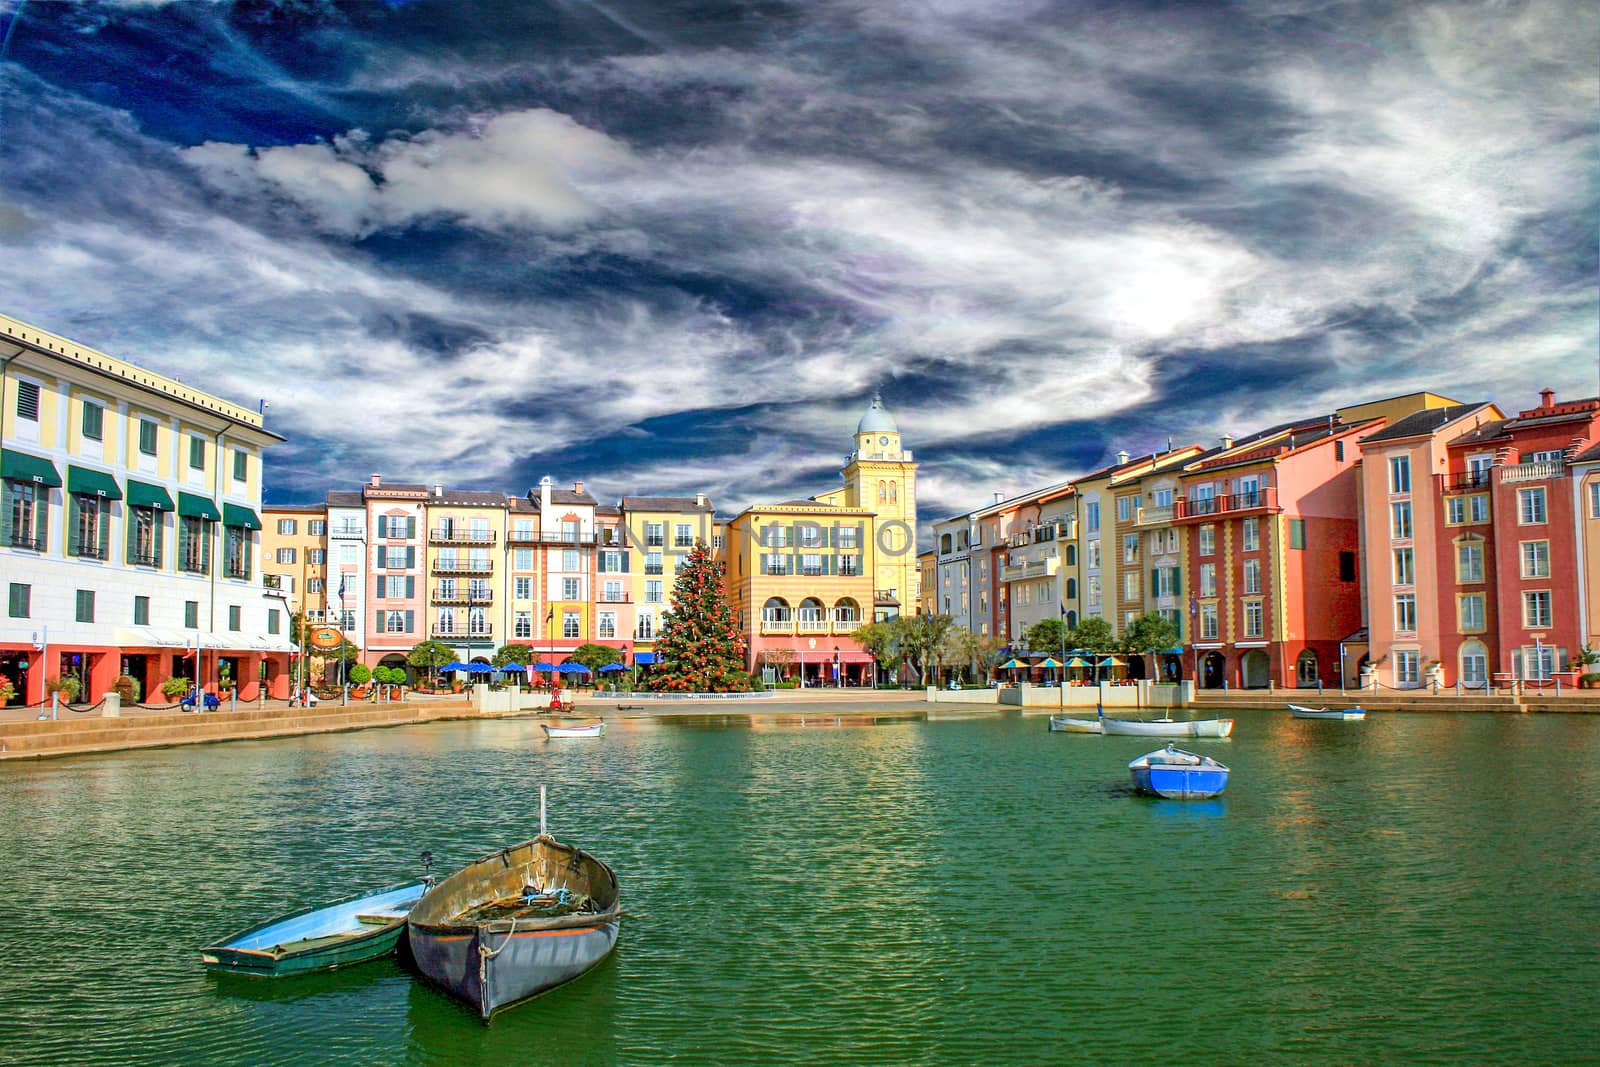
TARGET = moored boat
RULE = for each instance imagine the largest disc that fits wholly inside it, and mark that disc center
(581, 729)
(1061, 724)
(516, 923)
(1348, 714)
(1167, 727)
(352, 930)
(1178, 775)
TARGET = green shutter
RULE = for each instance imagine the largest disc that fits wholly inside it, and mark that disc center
(383, 527)
(410, 621)
(130, 530)
(378, 621)
(205, 547)
(382, 551)
(411, 526)
(411, 586)
(105, 531)
(5, 513)
(160, 537)
(411, 553)
(1177, 580)
(1155, 581)
(73, 525)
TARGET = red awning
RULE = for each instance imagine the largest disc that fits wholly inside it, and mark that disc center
(846, 655)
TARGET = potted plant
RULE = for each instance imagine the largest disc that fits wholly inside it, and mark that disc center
(1588, 657)
(127, 687)
(176, 688)
(69, 687)
(8, 692)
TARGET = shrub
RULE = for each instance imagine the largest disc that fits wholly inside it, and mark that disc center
(69, 687)
(127, 687)
(1591, 679)
(360, 674)
(8, 692)
(175, 687)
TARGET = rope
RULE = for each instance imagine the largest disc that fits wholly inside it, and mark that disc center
(483, 948)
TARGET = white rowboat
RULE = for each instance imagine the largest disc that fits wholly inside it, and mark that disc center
(1059, 724)
(1167, 727)
(1347, 714)
(587, 729)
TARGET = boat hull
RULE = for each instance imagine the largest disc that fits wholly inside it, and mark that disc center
(1178, 775)
(318, 938)
(1167, 728)
(1345, 714)
(1074, 726)
(590, 730)
(492, 963)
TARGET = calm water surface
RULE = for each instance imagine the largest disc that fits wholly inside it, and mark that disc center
(1415, 889)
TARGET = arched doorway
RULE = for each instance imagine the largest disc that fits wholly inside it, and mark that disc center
(1306, 672)
(1255, 670)
(1136, 669)
(1213, 670)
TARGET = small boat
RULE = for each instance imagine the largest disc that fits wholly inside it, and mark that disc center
(352, 930)
(1348, 714)
(1167, 727)
(516, 923)
(581, 729)
(1178, 775)
(1059, 724)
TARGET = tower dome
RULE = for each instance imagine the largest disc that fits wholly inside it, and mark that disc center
(877, 419)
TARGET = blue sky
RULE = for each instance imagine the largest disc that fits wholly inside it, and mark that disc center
(674, 247)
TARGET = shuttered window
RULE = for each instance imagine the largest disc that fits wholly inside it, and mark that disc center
(86, 605)
(28, 401)
(21, 596)
(141, 611)
(93, 421)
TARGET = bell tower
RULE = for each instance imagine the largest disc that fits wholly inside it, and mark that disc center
(879, 476)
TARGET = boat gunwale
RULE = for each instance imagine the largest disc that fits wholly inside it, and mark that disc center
(355, 936)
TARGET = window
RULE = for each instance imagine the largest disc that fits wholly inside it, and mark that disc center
(284, 555)
(1130, 585)
(1455, 510)
(612, 593)
(1536, 609)
(522, 624)
(1251, 535)
(1407, 667)
(683, 535)
(1208, 540)
(141, 611)
(1338, 451)
(1478, 508)
(89, 527)
(274, 622)
(236, 551)
(1594, 500)
(1252, 576)
(317, 527)
(1530, 506)
(1405, 570)
(233, 617)
(147, 437)
(400, 586)
(1474, 665)
(571, 588)
(288, 526)
(191, 613)
(1072, 589)
(1399, 474)
(1536, 559)
(1405, 612)
(522, 588)
(24, 517)
(1163, 498)
(608, 624)
(1091, 516)
(845, 537)
(644, 628)
(194, 545)
(85, 605)
(1208, 621)
(28, 401)
(1537, 663)
(1247, 492)
(522, 559)
(94, 417)
(1253, 618)
(570, 560)
(315, 585)
(849, 565)
(571, 624)
(1297, 533)
(716, 541)
(197, 452)
(1091, 586)
(1471, 613)
(1400, 520)
(20, 597)
(1130, 548)
(1093, 553)
(771, 563)
(241, 465)
(652, 563)
(610, 561)
(1347, 566)
(655, 534)
(317, 557)
(349, 554)
(1469, 561)
(397, 622)
(653, 592)
(1124, 508)
(1208, 579)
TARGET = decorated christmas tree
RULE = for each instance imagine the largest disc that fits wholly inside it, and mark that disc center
(699, 648)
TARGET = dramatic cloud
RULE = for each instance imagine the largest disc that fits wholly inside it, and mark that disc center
(481, 242)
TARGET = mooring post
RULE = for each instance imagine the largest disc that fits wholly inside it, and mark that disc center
(541, 811)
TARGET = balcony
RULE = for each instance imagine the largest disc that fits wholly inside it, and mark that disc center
(1264, 499)
(95, 552)
(550, 537)
(1466, 483)
(1039, 568)
(272, 581)
(813, 626)
(463, 566)
(1159, 515)
(238, 570)
(22, 540)
(618, 598)
(450, 633)
(846, 626)
(455, 535)
(1533, 472)
(346, 533)
(463, 597)
(777, 626)
(147, 558)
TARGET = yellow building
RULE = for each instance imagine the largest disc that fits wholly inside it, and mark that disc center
(466, 598)
(657, 534)
(294, 555)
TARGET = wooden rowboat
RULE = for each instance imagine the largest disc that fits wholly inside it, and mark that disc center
(516, 923)
(582, 729)
(352, 930)
(1060, 724)
(1350, 714)
(1178, 775)
(1167, 727)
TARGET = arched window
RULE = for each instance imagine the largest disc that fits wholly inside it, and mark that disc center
(847, 612)
(1305, 668)
(883, 492)
(1072, 620)
(1072, 555)
(1072, 589)
(894, 492)
(1474, 664)
(775, 610)
(944, 544)
(812, 614)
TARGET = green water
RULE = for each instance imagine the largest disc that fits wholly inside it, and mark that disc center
(1412, 889)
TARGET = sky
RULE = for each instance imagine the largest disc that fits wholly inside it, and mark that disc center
(672, 247)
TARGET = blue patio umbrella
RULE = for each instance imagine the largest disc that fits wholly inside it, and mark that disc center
(611, 667)
(479, 668)
(573, 668)
(542, 666)
(450, 667)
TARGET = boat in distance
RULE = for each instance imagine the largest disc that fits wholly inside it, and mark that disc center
(517, 923)
(1166, 727)
(351, 930)
(1348, 714)
(577, 729)
(1178, 775)
(1062, 724)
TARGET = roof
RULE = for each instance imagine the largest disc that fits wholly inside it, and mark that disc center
(520, 503)
(1486, 432)
(1424, 422)
(877, 419)
(315, 509)
(666, 503)
(468, 498)
(608, 509)
(563, 496)
(394, 487)
(1588, 455)
(339, 498)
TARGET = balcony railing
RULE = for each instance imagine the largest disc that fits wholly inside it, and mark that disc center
(456, 536)
(462, 596)
(482, 634)
(148, 559)
(90, 552)
(1158, 515)
(617, 598)
(192, 566)
(1533, 472)
(22, 540)
(238, 570)
(1263, 499)
(346, 533)
(813, 626)
(461, 566)
(550, 537)
(1468, 481)
(777, 626)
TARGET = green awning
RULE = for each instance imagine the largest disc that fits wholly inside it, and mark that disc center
(21, 467)
(234, 515)
(145, 495)
(92, 483)
(197, 507)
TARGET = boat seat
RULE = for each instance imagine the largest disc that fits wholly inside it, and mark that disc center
(381, 918)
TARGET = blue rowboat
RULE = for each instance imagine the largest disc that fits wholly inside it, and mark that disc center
(352, 930)
(517, 923)
(1178, 775)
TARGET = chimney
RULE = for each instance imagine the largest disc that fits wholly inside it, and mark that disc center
(577, 487)
(1227, 440)
(544, 494)
(438, 490)
(373, 484)
(1547, 399)
(998, 496)
(699, 500)
(1122, 456)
